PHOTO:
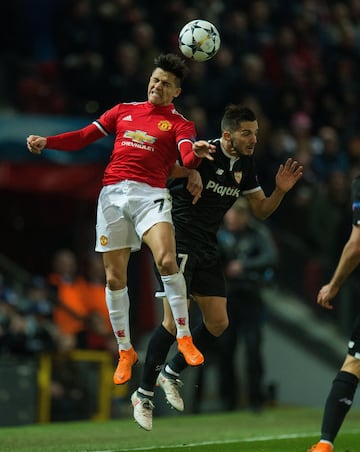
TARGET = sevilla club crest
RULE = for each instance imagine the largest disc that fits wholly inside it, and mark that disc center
(238, 176)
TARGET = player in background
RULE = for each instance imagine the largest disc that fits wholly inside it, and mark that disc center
(341, 395)
(134, 205)
(230, 174)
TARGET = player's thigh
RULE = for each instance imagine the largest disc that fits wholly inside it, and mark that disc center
(151, 211)
(160, 238)
(114, 227)
(213, 310)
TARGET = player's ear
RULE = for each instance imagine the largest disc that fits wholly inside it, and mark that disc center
(226, 135)
(177, 92)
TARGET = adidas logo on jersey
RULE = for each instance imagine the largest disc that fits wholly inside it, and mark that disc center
(222, 190)
(127, 118)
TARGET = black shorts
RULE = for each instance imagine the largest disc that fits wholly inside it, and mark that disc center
(354, 342)
(203, 274)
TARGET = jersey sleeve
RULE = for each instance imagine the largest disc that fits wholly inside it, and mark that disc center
(188, 158)
(356, 200)
(251, 181)
(108, 120)
(185, 139)
(73, 141)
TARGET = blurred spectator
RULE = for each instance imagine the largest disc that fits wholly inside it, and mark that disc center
(218, 85)
(71, 309)
(330, 156)
(277, 150)
(78, 43)
(261, 25)
(143, 36)
(301, 127)
(41, 91)
(26, 325)
(328, 217)
(249, 256)
(353, 150)
(252, 82)
(290, 226)
(124, 78)
(236, 34)
(200, 118)
(100, 334)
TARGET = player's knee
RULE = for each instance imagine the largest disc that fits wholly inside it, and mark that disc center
(218, 327)
(166, 264)
(115, 281)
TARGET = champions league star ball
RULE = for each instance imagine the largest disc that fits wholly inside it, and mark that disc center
(199, 40)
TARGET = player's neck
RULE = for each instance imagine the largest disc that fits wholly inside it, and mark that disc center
(227, 148)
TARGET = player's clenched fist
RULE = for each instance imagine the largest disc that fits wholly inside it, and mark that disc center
(35, 143)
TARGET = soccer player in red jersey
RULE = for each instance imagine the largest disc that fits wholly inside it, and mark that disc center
(134, 205)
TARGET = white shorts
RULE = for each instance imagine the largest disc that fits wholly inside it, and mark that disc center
(126, 211)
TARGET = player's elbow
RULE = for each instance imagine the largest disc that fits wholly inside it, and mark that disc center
(355, 250)
(260, 215)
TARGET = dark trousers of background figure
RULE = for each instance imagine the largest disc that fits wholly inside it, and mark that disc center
(246, 318)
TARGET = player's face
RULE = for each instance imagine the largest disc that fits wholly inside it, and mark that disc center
(162, 88)
(243, 140)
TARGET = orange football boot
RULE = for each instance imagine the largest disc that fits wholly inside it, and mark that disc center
(127, 358)
(321, 447)
(191, 354)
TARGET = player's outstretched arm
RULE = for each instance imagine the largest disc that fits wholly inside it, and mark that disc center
(286, 177)
(68, 141)
(349, 260)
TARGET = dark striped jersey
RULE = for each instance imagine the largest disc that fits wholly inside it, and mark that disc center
(224, 180)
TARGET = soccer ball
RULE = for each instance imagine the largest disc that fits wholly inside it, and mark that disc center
(199, 40)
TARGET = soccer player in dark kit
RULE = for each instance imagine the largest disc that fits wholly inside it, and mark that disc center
(342, 392)
(134, 205)
(229, 174)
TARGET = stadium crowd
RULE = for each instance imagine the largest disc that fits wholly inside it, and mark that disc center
(295, 63)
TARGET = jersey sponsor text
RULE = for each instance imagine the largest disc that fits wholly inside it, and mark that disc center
(222, 190)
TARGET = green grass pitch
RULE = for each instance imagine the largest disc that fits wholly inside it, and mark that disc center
(278, 429)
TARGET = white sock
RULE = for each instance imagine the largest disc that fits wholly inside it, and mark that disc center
(118, 304)
(175, 291)
(144, 392)
(169, 371)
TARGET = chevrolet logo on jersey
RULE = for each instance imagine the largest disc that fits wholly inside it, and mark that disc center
(139, 136)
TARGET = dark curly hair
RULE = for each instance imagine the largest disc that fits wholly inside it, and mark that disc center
(174, 64)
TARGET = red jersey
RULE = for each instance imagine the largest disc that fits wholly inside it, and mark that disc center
(149, 139)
